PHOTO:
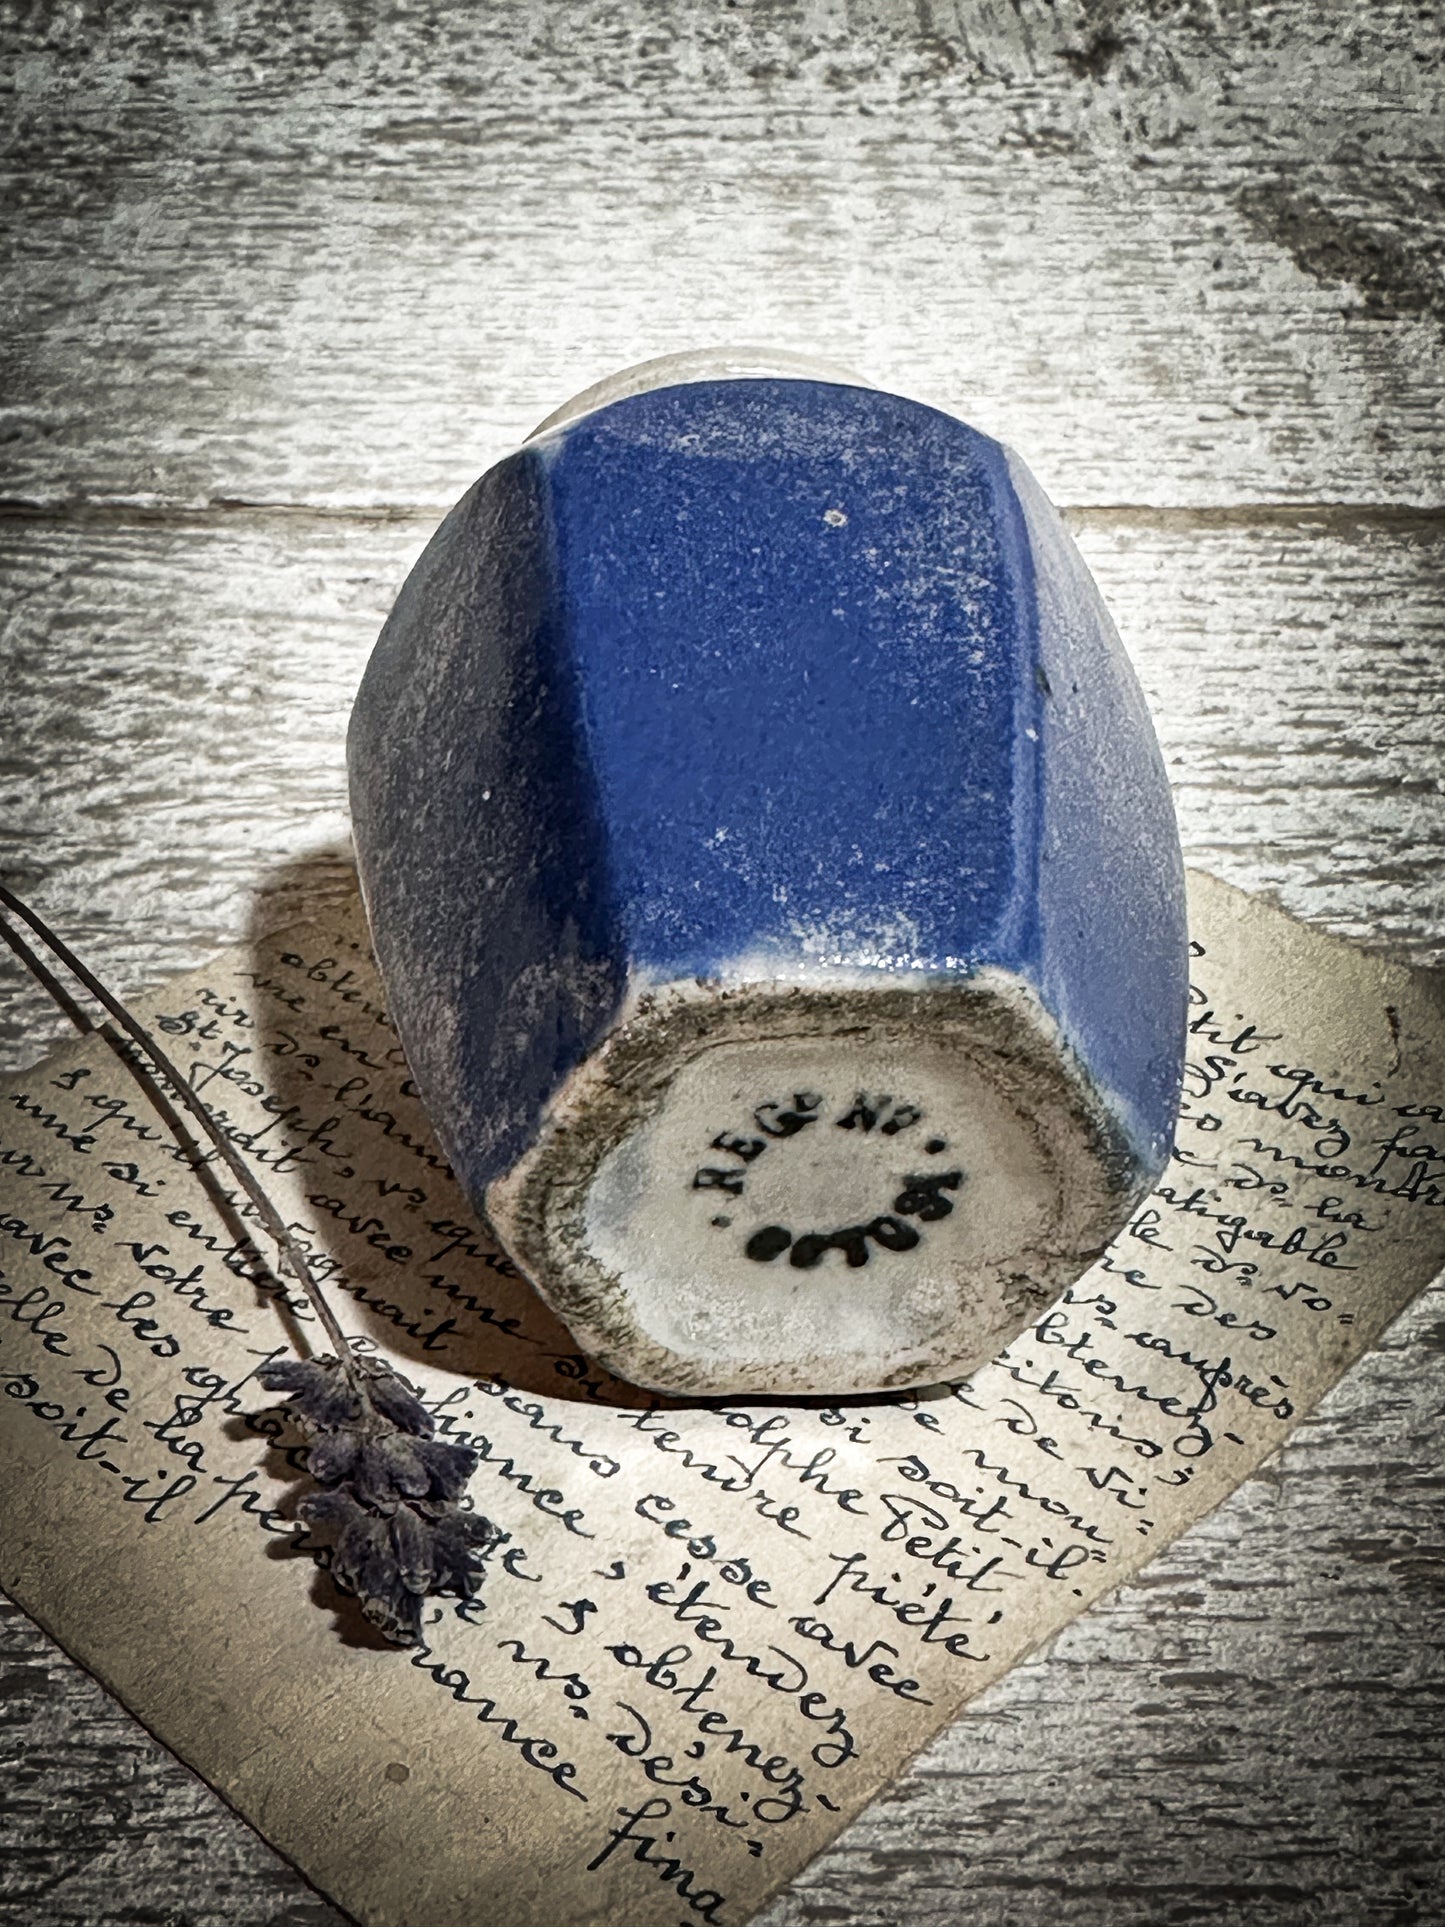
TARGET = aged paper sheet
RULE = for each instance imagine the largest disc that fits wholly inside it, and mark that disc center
(713, 1631)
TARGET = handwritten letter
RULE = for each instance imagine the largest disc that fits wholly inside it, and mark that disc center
(712, 1632)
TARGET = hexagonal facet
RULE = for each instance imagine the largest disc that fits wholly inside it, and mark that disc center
(773, 873)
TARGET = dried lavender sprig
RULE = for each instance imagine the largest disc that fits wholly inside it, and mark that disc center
(271, 1218)
(390, 1489)
(389, 1505)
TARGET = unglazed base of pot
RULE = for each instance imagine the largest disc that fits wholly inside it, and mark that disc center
(798, 1189)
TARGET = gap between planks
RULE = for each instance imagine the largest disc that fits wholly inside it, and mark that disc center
(1330, 517)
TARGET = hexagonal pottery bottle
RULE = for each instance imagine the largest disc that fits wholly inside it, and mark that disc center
(773, 874)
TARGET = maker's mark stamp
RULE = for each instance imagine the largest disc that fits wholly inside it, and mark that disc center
(874, 1121)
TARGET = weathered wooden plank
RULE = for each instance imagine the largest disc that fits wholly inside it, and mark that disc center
(1296, 669)
(342, 255)
(178, 694)
(103, 1828)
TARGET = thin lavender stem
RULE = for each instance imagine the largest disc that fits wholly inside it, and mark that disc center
(271, 1218)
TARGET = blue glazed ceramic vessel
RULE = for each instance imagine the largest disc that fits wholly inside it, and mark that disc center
(773, 872)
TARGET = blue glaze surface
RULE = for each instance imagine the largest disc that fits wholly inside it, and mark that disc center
(795, 614)
(1110, 950)
(767, 670)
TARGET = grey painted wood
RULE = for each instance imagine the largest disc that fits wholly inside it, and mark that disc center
(327, 261)
(344, 254)
(179, 690)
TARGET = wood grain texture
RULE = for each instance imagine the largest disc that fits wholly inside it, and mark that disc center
(178, 690)
(344, 254)
(282, 280)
